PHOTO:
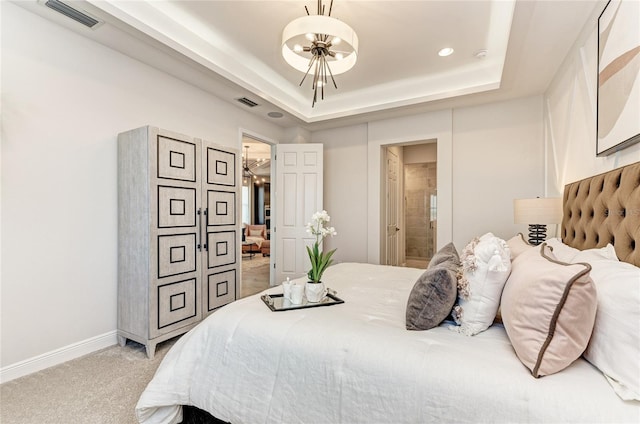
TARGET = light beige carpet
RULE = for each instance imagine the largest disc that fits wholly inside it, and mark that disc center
(100, 388)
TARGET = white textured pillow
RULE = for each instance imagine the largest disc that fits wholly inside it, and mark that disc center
(615, 342)
(486, 263)
(571, 255)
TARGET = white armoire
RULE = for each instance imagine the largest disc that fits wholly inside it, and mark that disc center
(178, 233)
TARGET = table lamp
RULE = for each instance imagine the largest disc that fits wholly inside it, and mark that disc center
(537, 213)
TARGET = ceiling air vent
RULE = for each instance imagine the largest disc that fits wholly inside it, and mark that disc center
(72, 13)
(247, 102)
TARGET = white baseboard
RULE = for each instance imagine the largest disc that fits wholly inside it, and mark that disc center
(58, 356)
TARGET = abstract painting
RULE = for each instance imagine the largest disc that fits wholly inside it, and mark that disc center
(618, 115)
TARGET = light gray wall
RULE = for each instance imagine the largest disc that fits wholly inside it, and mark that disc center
(345, 190)
(64, 101)
(570, 118)
(498, 156)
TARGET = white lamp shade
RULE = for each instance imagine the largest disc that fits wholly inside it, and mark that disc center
(537, 211)
(319, 24)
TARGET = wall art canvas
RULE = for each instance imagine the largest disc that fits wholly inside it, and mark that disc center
(618, 115)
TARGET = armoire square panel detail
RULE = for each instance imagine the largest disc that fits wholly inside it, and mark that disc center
(221, 167)
(220, 289)
(168, 244)
(169, 152)
(176, 159)
(177, 302)
(176, 207)
(223, 206)
(177, 254)
(222, 248)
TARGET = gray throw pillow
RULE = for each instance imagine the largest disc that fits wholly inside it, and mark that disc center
(448, 255)
(435, 292)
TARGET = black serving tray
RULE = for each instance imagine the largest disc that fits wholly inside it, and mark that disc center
(277, 302)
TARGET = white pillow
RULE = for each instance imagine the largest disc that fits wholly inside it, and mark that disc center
(255, 232)
(486, 264)
(589, 255)
(572, 255)
(614, 347)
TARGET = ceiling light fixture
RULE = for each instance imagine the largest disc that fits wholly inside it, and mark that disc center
(447, 51)
(246, 171)
(318, 58)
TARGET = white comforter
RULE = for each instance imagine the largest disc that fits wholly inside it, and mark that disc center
(356, 363)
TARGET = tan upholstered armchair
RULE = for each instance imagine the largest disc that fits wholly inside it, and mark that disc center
(255, 239)
(256, 231)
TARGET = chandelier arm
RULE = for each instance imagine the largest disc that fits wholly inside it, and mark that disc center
(309, 69)
(332, 79)
(315, 76)
(305, 8)
(330, 7)
(322, 76)
(315, 96)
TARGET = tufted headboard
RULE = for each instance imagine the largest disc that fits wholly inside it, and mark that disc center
(605, 209)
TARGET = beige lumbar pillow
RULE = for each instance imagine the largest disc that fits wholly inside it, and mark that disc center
(548, 310)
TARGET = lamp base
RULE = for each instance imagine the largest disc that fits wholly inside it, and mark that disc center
(537, 234)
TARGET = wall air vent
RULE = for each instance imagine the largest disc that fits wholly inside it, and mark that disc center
(72, 13)
(247, 102)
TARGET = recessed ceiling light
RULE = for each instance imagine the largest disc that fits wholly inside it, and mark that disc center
(445, 52)
(481, 54)
(275, 115)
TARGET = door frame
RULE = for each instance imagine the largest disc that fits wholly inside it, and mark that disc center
(243, 132)
(375, 201)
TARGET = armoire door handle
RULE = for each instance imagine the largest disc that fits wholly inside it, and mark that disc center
(206, 247)
(199, 229)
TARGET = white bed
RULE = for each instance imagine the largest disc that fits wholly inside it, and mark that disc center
(356, 363)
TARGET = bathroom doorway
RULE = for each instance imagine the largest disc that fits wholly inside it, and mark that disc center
(410, 203)
(421, 205)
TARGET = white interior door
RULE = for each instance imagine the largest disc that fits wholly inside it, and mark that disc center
(298, 196)
(393, 200)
